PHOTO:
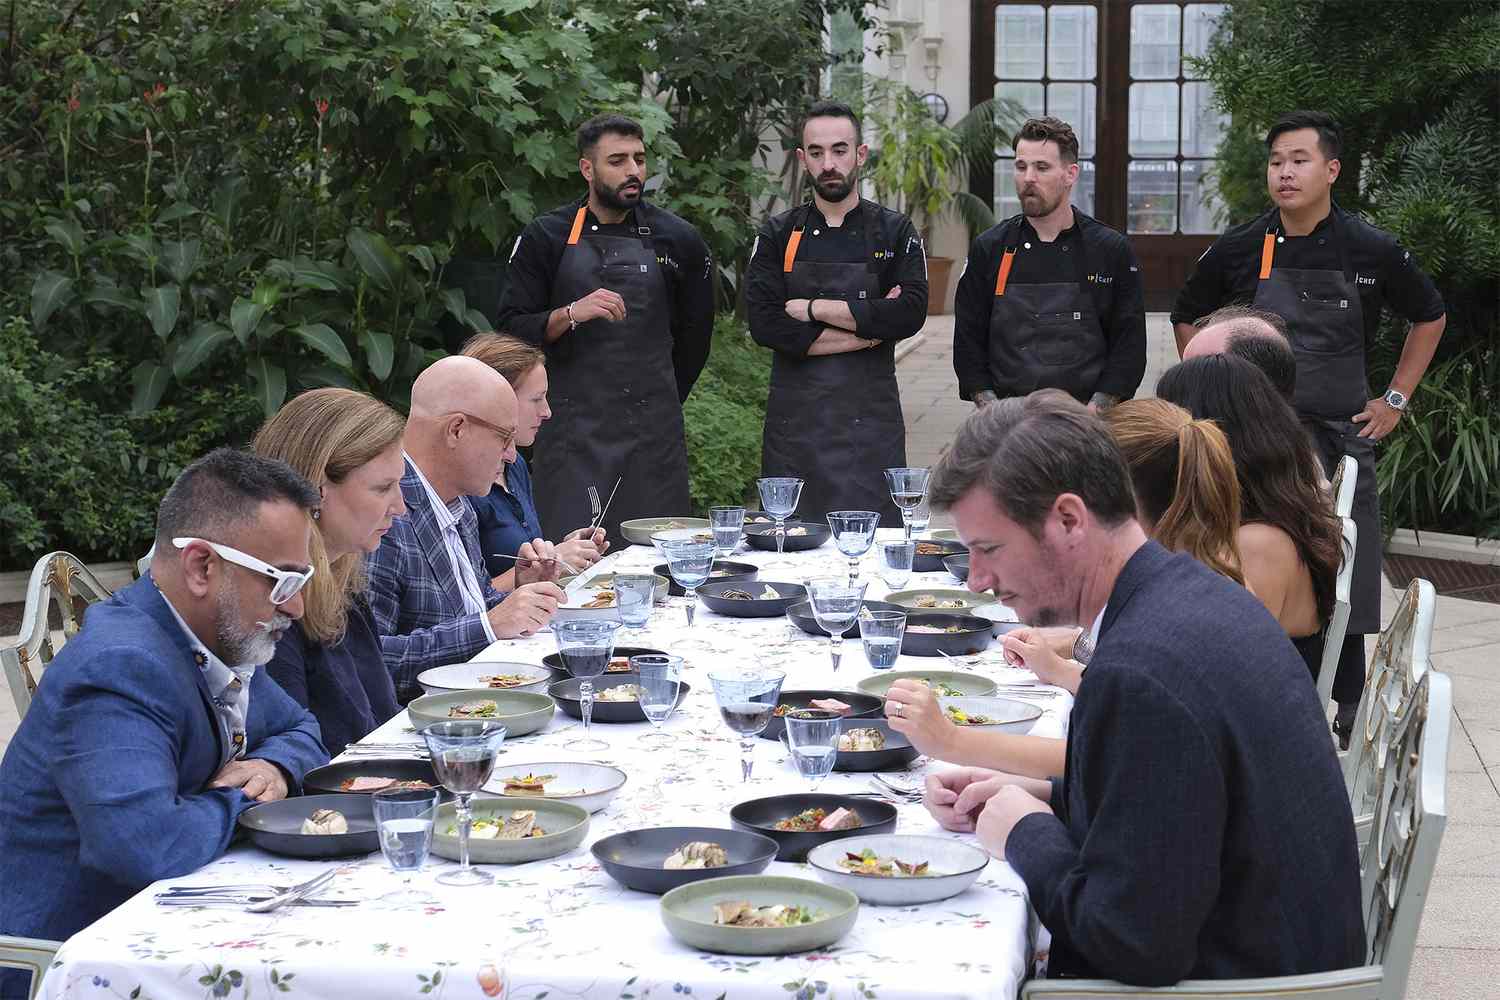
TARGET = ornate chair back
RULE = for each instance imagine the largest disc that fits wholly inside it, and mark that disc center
(60, 579)
(1338, 623)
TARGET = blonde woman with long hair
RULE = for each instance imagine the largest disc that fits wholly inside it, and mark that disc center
(348, 445)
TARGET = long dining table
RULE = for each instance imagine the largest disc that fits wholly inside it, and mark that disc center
(562, 928)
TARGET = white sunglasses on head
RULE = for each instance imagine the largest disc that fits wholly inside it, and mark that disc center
(288, 582)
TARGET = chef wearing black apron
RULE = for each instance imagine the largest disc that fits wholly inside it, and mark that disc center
(1328, 274)
(832, 300)
(1050, 298)
(620, 295)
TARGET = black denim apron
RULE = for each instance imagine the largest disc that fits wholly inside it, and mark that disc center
(1325, 318)
(1045, 335)
(613, 391)
(835, 420)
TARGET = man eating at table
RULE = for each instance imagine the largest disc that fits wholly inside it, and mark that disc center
(153, 729)
(1201, 829)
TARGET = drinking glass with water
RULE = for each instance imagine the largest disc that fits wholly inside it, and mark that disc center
(853, 533)
(919, 517)
(728, 523)
(661, 679)
(690, 562)
(812, 735)
(881, 633)
(403, 819)
(895, 562)
(835, 605)
(634, 595)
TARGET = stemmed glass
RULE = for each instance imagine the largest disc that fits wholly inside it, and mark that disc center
(585, 647)
(728, 524)
(403, 819)
(908, 489)
(661, 679)
(463, 757)
(812, 735)
(835, 606)
(778, 497)
(690, 562)
(746, 701)
(854, 533)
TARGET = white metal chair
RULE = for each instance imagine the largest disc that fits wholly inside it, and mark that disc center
(1338, 623)
(143, 564)
(1342, 485)
(58, 578)
(31, 955)
(1410, 814)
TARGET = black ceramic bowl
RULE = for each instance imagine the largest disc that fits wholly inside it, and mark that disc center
(761, 815)
(553, 661)
(801, 616)
(861, 706)
(565, 693)
(634, 858)
(329, 779)
(277, 826)
(973, 636)
(930, 555)
(712, 595)
(958, 565)
(763, 536)
(897, 754)
(723, 571)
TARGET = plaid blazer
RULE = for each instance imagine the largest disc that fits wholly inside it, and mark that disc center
(418, 608)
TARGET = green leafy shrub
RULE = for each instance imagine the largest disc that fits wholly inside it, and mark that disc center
(724, 416)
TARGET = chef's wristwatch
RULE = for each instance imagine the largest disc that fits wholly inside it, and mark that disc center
(1083, 649)
(1395, 399)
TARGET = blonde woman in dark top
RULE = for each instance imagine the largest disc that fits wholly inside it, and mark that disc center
(347, 444)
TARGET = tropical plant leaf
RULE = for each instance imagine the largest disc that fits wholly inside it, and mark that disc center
(162, 305)
(377, 259)
(380, 353)
(181, 258)
(320, 375)
(49, 293)
(455, 303)
(68, 234)
(322, 337)
(106, 293)
(176, 212)
(270, 384)
(199, 347)
(226, 200)
(150, 381)
(244, 317)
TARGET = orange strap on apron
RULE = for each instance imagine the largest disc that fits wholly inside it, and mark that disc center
(791, 251)
(1267, 251)
(1004, 274)
(577, 227)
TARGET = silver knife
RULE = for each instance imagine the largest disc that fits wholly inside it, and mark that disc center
(242, 900)
(300, 892)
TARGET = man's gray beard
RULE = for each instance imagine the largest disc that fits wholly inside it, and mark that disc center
(243, 647)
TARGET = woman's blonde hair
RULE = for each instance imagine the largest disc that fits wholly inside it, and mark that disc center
(510, 356)
(326, 434)
(1184, 479)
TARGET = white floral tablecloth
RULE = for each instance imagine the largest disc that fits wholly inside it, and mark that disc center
(562, 928)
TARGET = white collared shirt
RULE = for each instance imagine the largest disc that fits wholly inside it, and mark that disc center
(458, 556)
(228, 686)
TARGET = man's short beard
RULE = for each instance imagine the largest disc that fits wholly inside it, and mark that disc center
(612, 199)
(244, 647)
(839, 190)
(1046, 209)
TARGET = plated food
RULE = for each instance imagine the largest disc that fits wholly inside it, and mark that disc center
(800, 535)
(496, 675)
(938, 599)
(603, 598)
(639, 859)
(510, 831)
(506, 680)
(744, 599)
(608, 706)
(758, 914)
(520, 712)
(639, 530)
(517, 826)
(370, 783)
(819, 820)
(849, 704)
(959, 717)
(863, 738)
(474, 710)
(872, 865)
(899, 870)
(325, 822)
(939, 603)
(929, 555)
(942, 682)
(934, 629)
(767, 593)
(1005, 714)
(696, 854)
(723, 571)
(620, 692)
(313, 826)
(585, 784)
(872, 745)
(743, 913)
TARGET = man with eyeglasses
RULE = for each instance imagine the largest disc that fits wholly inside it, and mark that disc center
(429, 592)
(153, 729)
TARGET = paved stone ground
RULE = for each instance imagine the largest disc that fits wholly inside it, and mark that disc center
(1458, 946)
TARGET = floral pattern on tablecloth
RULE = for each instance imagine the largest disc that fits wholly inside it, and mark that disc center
(562, 929)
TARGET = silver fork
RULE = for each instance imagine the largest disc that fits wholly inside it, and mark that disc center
(595, 507)
(904, 791)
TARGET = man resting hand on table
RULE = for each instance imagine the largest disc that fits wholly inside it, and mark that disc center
(153, 729)
(1201, 828)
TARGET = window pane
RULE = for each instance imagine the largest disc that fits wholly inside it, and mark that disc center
(1201, 208)
(1202, 124)
(1018, 42)
(1151, 196)
(1028, 95)
(1007, 204)
(1083, 191)
(1153, 119)
(1153, 41)
(1200, 21)
(1072, 42)
(1075, 104)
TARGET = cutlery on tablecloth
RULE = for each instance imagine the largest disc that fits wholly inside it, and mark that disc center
(557, 559)
(599, 517)
(299, 892)
(907, 792)
(242, 900)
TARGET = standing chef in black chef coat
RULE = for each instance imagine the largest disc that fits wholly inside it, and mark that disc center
(1327, 273)
(620, 295)
(832, 286)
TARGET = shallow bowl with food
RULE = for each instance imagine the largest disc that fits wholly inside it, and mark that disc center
(520, 712)
(566, 694)
(580, 783)
(1003, 715)
(958, 565)
(801, 536)
(953, 866)
(362, 777)
(955, 683)
(930, 633)
(565, 824)
(929, 555)
(277, 826)
(800, 615)
(619, 661)
(499, 675)
(640, 530)
(634, 858)
(762, 600)
(938, 599)
(895, 754)
(703, 534)
(761, 816)
(606, 581)
(861, 706)
(688, 913)
(723, 571)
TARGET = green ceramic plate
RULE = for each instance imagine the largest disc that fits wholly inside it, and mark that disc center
(520, 712)
(688, 912)
(969, 601)
(608, 580)
(968, 685)
(566, 826)
(639, 531)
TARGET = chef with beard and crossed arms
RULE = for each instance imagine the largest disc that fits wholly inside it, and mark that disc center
(832, 286)
(619, 293)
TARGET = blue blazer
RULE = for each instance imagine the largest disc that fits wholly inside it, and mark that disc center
(102, 789)
(507, 518)
(414, 596)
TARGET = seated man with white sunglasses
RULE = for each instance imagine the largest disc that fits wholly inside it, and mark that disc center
(152, 729)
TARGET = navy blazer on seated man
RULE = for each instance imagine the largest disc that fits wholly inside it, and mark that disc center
(1202, 829)
(103, 790)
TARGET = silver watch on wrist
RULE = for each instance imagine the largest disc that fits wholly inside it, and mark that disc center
(572, 323)
(1395, 399)
(1083, 649)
